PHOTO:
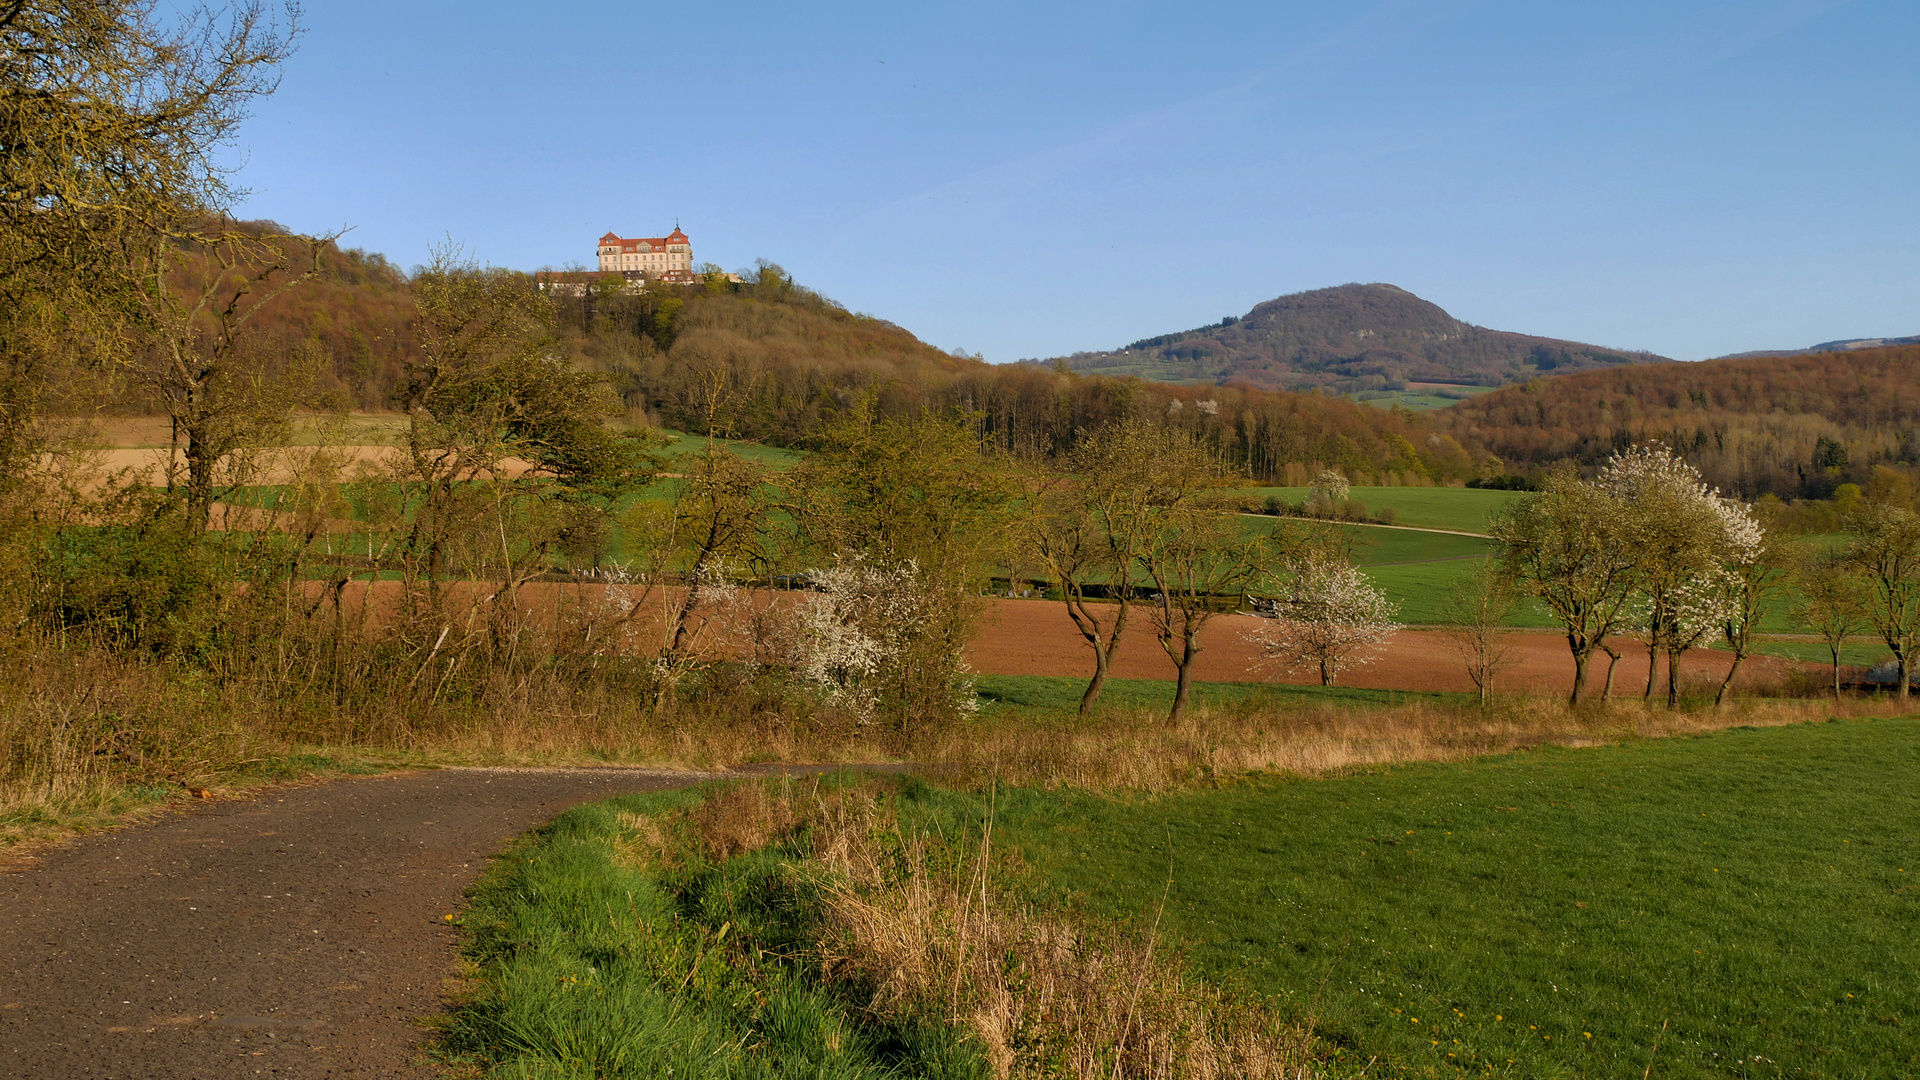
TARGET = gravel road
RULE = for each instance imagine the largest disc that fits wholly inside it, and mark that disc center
(300, 933)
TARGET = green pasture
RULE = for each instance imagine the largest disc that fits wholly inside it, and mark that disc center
(1857, 650)
(681, 444)
(1418, 399)
(1462, 509)
(1059, 696)
(1734, 905)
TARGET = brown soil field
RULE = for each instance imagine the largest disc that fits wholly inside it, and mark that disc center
(1035, 637)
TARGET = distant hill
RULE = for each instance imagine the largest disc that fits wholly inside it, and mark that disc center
(1350, 339)
(1846, 345)
(1797, 425)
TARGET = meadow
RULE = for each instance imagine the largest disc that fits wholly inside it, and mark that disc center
(1420, 397)
(1726, 905)
(1459, 509)
(1733, 904)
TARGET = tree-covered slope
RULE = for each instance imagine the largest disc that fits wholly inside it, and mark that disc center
(1789, 425)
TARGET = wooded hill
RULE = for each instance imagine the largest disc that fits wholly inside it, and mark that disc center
(1350, 339)
(766, 359)
(1793, 426)
(772, 358)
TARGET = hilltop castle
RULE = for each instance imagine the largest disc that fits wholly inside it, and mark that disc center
(639, 260)
(652, 258)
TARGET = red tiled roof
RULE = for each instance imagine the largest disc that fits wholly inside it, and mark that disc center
(627, 244)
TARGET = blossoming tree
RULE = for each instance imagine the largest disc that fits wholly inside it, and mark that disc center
(1327, 617)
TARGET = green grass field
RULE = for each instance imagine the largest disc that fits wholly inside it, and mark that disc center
(1419, 570)
(682, 444)
(1462, 509)
(1546, 913)
(1060, 696)
(1419, 399)
(1856, 651)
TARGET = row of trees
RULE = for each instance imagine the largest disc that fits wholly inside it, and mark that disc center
(1646, 550)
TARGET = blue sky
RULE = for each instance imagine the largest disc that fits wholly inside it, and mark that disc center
(1027, 180)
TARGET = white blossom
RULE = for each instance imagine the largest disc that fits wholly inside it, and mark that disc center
(861, 620)
(1329, 619)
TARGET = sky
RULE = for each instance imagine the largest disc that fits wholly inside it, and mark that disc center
(1032, 179)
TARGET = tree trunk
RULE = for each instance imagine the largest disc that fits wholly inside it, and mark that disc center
(1613, 661)
(1673, 678)
(1905, 659)
(1185, 664)
(1580, 658)
(1836, 673)
(1099, 681)
(1719, 699)
(1653, 667)
(1085, 621)
(199, 479)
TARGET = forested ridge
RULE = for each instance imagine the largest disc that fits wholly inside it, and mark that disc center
(787, 358)
(1792, 426)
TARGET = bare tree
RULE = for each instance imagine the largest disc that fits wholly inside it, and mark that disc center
(1833, 601)
(1569, 546)
(1200, 560)
(1089, 525)
(1474, 612)
(224, 391)
(713, 526)
(507, 457)
(1885, 552)
(113, 117)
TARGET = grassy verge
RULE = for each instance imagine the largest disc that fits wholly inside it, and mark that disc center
(1060, 695)
(789, 929)
(598, 961)
(37, 817)
(1743, 900)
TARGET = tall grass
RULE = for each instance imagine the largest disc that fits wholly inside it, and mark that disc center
(1136, 749)
(875, 930)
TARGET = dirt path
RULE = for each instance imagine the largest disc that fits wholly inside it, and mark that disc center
(299, 934)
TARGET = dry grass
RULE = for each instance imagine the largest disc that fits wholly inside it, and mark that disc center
(1138, 750)
(918, 926)
(80, 727)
